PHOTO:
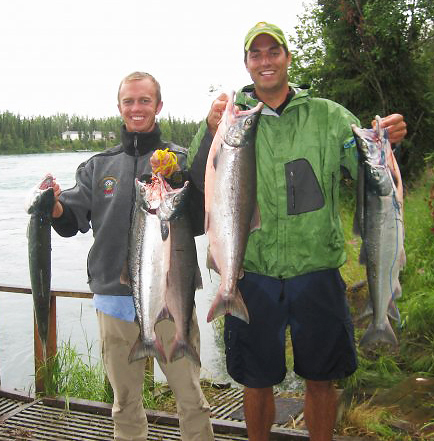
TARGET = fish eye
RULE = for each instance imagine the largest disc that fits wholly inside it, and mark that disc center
(248, 122)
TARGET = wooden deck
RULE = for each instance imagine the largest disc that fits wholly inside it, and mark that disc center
(25, 418)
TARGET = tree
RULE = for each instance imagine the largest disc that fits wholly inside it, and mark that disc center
(374, 57)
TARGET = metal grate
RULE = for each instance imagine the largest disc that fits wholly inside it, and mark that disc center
(225, 403)
(36, 421)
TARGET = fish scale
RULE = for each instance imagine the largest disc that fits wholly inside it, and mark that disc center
(40, 206)
(379, 220)
(231, 211)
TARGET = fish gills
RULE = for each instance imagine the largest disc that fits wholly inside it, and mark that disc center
(379, 217)
(230, 204)
(148, 265)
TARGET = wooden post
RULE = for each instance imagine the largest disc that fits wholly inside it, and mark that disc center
(42, 367)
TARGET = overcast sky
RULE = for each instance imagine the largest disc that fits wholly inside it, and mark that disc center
(61, 56)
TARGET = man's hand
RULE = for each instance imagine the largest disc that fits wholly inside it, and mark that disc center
(215, 114)
(396, 126)
(57, 208)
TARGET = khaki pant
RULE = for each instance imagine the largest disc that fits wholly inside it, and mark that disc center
(129, 417)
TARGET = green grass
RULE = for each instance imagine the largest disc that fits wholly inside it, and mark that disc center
(381, 368)
(75, 375)
(81, 376)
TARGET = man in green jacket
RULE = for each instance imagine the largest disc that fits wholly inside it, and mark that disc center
(292, 262)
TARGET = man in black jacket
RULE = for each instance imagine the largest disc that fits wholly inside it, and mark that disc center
(102, 199)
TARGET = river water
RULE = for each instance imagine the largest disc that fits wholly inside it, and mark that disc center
(76, 318)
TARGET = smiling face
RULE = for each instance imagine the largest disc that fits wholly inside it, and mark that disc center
(267, 64)
(138, 105)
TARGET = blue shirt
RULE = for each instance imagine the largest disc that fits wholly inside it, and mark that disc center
(121, 307)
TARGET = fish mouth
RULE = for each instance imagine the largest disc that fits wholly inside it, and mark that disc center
(234, 112)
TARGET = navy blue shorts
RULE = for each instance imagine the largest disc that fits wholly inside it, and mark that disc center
(315, 307)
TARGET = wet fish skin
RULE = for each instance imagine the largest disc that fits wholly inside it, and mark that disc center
(381, 225)
(149, 260)
(40, 206)
(230, 204)
(183, 280)
(148, 264)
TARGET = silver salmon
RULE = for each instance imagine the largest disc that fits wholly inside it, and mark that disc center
(230, 204)
(40, 206)
(183, 276)
(148, 265)
(380, 222)
(149, 260)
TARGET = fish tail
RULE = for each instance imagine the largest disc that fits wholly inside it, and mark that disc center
(379, 335)
(228, 303)
(181, 348)
(147, 348)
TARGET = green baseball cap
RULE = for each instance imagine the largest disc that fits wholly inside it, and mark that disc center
(264, 28)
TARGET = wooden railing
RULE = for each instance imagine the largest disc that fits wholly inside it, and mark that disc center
(40, 379)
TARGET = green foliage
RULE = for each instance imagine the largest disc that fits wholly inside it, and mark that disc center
(177, 131)
(44, 134)
(380, 368)
(374, 57)
(74, 376)
(80, 376)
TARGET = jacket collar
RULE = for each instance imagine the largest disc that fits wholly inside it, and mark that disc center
(140, 143)
(246, 98)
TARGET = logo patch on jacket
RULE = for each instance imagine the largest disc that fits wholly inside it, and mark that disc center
(108, 185)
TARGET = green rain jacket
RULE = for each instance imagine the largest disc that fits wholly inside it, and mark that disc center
(299, 156)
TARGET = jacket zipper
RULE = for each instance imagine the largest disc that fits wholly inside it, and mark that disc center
(291, 174)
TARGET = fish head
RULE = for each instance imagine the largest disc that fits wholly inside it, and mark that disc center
(173, 201)
(41, 197)
(240, 124)
(148, 195)
(373, 146)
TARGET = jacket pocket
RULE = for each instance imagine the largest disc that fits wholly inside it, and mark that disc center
(302, 187)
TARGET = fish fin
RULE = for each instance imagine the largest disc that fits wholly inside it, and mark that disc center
(378, 335)
(367, 311)
(397, 291)
(164, 226)
(181, 348)
(163, 315)
(147, 348)
(206, 222)
(228, 304)
(125, 277)
(210, 262)
(255, 223)
(393, 312)
(198, 279)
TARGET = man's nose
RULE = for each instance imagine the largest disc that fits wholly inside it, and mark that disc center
(136, 105)
(265, 60)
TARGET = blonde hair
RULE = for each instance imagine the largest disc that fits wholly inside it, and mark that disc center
(142, 76)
